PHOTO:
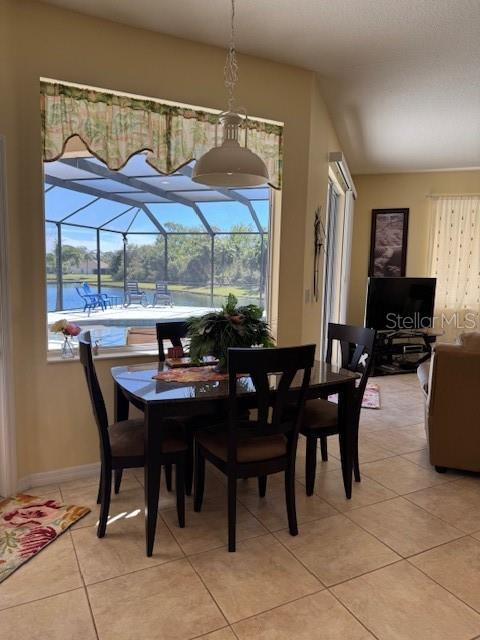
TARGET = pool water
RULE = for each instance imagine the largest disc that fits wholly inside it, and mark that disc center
(71, 299)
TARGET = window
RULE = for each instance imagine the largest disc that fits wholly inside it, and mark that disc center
(107, 229)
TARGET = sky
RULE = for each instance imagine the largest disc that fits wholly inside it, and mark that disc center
(60, 202)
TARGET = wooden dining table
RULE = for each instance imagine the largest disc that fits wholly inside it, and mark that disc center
(160, 400)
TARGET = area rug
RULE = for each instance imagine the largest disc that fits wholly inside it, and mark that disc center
(27, 525)
(371, 397)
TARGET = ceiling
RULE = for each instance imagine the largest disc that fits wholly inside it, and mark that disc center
(401, 77)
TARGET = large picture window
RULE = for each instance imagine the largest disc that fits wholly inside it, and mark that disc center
(110, 233)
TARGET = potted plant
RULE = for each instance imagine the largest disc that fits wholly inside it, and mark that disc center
(214, 333)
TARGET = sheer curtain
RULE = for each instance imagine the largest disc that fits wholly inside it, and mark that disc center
(455, 262)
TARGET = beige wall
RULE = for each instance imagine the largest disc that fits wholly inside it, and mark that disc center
(54, 425)
(398, 190)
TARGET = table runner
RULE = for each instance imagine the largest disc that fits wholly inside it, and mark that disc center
(196, 374)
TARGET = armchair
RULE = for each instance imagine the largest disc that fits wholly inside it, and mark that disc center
(452, 406)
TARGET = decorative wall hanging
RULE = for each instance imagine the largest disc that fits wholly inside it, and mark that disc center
(388, 244)
(319, 241)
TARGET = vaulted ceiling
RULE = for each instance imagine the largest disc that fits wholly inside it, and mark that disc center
(401, 78)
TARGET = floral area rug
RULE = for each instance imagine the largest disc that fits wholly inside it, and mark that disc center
(371, 397)
(27, 525)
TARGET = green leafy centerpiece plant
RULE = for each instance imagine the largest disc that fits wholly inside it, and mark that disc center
(214, 333)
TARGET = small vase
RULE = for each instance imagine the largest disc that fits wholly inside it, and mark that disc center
(68, 350)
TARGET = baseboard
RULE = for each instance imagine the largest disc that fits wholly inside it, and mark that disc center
(58, 476)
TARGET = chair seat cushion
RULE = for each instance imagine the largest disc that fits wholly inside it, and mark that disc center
(320, 414)
(127, 439)
(248, 449)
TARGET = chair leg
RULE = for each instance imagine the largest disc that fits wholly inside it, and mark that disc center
(324, 448)
(99, 495)
(290, 500)
(310, 464)
(262, 486)
(232, 512)
(168, 476)
(180, 488)
(189, 465)
(199, 484)
(356, 462)
(117, 480)
(105, 501)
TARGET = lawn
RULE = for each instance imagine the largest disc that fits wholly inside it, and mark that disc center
(223, 290)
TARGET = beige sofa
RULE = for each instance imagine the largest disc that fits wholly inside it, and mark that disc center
(451, 383)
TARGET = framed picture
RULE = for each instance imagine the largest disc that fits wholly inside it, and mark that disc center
(388, 244)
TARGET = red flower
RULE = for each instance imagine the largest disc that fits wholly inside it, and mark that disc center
(35, 540)
(31, 514)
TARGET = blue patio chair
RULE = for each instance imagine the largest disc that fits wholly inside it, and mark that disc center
(104, 298)
(90, 300)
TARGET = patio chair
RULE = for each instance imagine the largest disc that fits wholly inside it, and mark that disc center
(134, 295)
(90, 300)
(162, 294)
(103, 297)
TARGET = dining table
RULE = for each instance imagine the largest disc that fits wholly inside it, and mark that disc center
(162, 400)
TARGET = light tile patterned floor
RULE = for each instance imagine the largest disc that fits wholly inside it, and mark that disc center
(400, 560)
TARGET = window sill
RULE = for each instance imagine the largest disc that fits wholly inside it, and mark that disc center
(106, 354)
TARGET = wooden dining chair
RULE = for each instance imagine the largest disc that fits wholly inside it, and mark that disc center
(173, 332)
(256, 448)
(122, 444)
(320, 418)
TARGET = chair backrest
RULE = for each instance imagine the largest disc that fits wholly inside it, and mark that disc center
(172, 331)
(81, 292)
(280, 411)
(86, 288)
(132, 286)
(356, 348)
(161, 287)
(95, 392)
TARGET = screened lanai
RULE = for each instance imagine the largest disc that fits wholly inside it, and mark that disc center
(109, 228)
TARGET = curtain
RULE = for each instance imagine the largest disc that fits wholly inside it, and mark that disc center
(455, 262)
(115, 127)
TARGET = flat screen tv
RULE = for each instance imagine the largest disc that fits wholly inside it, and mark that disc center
(398, 304)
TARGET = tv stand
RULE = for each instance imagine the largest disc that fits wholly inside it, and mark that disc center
(402, 351)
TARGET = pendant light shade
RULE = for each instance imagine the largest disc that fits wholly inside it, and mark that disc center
(230, 164)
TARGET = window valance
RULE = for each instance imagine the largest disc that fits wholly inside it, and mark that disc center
(114, 127)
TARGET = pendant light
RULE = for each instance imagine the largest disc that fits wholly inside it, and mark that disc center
(230, 164)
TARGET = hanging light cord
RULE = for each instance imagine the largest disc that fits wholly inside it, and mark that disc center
(231, 65)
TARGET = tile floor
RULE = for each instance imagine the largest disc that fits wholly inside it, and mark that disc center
(400, 561)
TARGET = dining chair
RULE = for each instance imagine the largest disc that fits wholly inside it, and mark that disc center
(171, 331)
(320, 417)
(174, 332)
(122, 444)
(257, 448)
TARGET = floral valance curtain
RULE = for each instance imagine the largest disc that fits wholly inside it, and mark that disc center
(115, 127)
(455, 262)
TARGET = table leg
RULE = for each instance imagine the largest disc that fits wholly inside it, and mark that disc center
(121, 404)
(346, 424)
(152, 475)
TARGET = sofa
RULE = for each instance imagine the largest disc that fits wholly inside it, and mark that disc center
(451, 385)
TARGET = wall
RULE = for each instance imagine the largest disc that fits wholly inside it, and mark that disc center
(398, 190)
(54, 425)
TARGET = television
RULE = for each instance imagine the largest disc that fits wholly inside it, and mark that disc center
(398, 304)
